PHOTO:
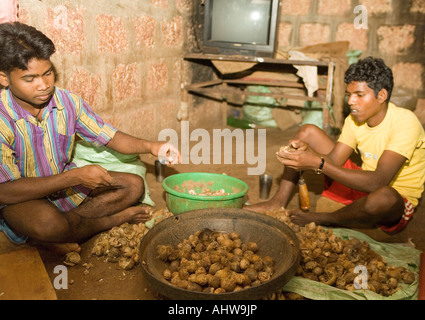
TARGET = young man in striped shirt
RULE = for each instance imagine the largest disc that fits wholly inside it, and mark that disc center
(43, 195)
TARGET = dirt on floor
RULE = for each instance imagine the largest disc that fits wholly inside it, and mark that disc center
(94, 278)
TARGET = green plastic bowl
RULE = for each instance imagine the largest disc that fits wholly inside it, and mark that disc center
(178, 202)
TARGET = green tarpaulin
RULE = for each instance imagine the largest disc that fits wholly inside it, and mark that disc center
(396, 255)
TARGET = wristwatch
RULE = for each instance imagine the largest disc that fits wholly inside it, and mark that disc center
(319, 170)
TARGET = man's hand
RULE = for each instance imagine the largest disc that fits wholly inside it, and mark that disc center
(295, 144)
(93, 176)
(166, 152)
(298, 155)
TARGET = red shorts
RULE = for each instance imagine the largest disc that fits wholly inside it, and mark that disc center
(345, 195)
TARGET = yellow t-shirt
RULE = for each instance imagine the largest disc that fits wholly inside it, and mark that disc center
(400, 132)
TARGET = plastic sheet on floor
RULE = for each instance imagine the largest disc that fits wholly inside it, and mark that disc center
(397, 255)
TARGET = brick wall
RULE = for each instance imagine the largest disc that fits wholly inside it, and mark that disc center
(391, 29)
(123, 57)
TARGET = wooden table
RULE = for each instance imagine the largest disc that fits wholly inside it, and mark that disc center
(221, 86)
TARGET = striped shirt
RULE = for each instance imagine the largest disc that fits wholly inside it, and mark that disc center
(30, 148)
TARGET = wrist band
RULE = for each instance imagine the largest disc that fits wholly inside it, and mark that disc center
(319, 170)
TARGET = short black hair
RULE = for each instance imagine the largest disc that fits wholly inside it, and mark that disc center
(19, 43)
(374, 72)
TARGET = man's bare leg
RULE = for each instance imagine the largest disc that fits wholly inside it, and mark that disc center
(383, 206)
(126, 191)
(319, 141)
(41, 221)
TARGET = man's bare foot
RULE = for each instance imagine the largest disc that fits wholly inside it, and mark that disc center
(136, 214)
(61, 248)
(263, 206)
(302, 218)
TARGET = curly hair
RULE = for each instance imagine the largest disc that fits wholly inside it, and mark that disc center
(374, 72)
(19, 43)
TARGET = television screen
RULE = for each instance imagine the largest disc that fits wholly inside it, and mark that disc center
(244, 21)
(240, 26)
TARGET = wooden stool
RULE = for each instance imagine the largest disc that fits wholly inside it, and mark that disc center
(23, 275)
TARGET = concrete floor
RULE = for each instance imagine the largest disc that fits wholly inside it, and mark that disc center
(106, 281)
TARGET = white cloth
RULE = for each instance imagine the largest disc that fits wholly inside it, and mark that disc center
(307, 73)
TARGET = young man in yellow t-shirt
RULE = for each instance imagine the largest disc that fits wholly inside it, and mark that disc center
(390, 140)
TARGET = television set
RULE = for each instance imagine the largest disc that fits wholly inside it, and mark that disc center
(241, 27)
